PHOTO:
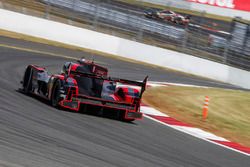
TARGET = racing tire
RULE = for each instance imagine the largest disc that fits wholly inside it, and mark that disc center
(55, 96)
(122, 117)
(27, 80)
(128, 120)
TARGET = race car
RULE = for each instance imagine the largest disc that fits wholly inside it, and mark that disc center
(83, 86)
(167, 15)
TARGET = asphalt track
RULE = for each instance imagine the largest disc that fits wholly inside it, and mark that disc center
(32, 133)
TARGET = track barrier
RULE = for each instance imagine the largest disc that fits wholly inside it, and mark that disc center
(123, 48)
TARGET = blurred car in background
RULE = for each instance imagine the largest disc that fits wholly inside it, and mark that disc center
(167, 15)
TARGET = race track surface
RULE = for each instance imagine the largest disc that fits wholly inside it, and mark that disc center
(32, 133)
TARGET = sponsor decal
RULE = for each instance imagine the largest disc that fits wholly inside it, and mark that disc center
(243, 5)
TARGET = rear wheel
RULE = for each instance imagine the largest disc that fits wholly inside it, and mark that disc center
(122, 117)
(55, 96)
(128, 120)
(27, 80)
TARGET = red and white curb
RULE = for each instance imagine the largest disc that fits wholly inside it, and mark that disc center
(164, 119)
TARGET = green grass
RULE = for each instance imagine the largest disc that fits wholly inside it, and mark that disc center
(228, 115)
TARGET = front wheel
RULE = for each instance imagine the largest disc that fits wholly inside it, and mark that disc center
(55, 96)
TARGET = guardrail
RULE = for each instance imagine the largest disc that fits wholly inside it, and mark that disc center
(193, 38)
(235, 8)
(182, 4)
(98, 11)
(120, 47)
(117, 20)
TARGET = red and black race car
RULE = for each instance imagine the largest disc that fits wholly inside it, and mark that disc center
(86, 86)
(167, 15)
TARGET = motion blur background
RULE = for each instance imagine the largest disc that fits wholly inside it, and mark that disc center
(218, 38)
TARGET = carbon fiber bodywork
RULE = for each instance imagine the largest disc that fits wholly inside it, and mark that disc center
(86, 85)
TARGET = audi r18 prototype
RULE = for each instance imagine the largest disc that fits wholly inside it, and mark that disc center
(86, 86)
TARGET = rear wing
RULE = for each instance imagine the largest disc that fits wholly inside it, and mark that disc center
(144, 85)
(131, 82)
(123, 81)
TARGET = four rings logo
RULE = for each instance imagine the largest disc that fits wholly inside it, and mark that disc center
(220, 3)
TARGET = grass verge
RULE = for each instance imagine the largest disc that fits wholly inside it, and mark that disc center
(228, 114)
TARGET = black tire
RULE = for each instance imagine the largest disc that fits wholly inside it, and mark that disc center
(128, 120)
(122, 117)
(27, 80)
(55, 96)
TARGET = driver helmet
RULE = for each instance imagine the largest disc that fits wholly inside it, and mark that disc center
(82, 60)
